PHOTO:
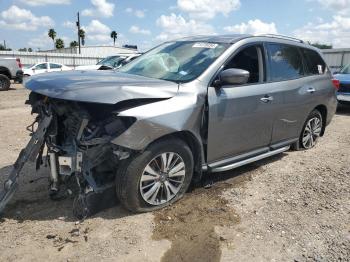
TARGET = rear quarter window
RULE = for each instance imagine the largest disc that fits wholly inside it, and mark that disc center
(285, 62)
(314, 62)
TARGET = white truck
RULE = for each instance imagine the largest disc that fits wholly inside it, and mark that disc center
(10, 69)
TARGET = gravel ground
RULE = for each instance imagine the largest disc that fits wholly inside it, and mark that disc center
(292, 207)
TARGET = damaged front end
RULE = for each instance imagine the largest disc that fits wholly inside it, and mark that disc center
(77, 138)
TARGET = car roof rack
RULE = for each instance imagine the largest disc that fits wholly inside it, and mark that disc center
(282, 37)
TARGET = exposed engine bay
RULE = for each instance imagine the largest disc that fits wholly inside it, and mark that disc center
(76, 136)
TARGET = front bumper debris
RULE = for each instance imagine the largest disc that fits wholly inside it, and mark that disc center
(29, 153)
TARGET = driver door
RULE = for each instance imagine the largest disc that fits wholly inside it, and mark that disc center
(240, 117)
(40, 68)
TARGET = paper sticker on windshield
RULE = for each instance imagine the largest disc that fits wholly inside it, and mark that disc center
(205, 45)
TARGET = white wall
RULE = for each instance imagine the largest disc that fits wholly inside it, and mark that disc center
(28, 58)
(337, 58)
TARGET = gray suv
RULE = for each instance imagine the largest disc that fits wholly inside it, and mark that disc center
(185, 108)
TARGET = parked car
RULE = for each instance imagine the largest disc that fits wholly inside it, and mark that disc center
(343, 76)
(186, 108)
(110, 62)
(10, 69)
(45, 67)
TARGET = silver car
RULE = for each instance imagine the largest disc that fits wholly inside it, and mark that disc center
(185, 108)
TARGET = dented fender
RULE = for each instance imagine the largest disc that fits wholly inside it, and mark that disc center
(184, 112)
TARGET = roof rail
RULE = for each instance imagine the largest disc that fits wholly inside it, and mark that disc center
(282, 37)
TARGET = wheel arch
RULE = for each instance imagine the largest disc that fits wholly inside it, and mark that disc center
(5, 71)
(195, 145)
(323, 110)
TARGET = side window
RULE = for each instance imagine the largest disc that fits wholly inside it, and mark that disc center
(41, 66)
(247, 59)
(55, 66)
(314, 63)
(285, 62)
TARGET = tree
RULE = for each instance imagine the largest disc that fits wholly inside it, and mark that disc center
(114, 35)
(3, 48)
(82, 36)
(52, 35)
(73, 44)
(59, 43)
(30, 49)
(23, 49)
(321, 46)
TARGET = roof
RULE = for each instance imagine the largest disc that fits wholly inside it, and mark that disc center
(228, 39)
(233, 38)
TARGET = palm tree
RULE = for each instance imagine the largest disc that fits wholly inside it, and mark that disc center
(114, 35)
(59, 43)
(82, 36)
(73, 44)
(52, 35)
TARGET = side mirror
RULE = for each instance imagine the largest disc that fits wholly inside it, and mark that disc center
(234, 76)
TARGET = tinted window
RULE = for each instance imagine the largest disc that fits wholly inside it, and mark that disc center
(41, 66)
(285, 62)
(314, 63)
(55, 66)
(248, 60)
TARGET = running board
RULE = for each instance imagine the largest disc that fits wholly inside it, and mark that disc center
(249, 160)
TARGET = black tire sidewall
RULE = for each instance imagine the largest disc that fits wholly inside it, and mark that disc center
(128, 179)
(314, 113)
(7, 82)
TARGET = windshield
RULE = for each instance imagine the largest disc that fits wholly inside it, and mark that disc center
(345, 69)
(176, 61)
(29, 66)
(112, 61)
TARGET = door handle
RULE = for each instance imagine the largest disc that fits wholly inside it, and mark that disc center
(266, 98)
(311, 90)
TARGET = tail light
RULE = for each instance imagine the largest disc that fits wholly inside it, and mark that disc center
(19, 62)
(336, 83)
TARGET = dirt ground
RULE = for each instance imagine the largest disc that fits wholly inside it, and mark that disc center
(291, 207)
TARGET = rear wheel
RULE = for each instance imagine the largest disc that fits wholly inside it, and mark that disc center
(156, 178)
(311, 131)
(4, 83)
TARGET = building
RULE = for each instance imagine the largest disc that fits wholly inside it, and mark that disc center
(337, 58)
(94, 51)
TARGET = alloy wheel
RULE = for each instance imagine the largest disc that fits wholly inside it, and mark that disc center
(312, 132)
(162, 178)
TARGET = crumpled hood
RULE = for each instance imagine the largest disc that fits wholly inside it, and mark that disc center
(108, 87)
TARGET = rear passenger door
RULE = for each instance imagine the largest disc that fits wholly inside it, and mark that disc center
(287, 73)
(55, 67)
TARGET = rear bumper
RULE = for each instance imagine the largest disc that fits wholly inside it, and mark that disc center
(344, 97)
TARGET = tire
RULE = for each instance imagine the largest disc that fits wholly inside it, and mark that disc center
(311, 131)
(134, 183)
(4, 83)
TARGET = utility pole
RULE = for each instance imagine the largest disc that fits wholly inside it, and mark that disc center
(78, 25)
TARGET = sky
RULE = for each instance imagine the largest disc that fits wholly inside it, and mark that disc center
(25, 23)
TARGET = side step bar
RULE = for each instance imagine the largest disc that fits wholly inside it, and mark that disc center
(249, 160)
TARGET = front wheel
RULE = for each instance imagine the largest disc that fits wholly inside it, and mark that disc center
(156, 178)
